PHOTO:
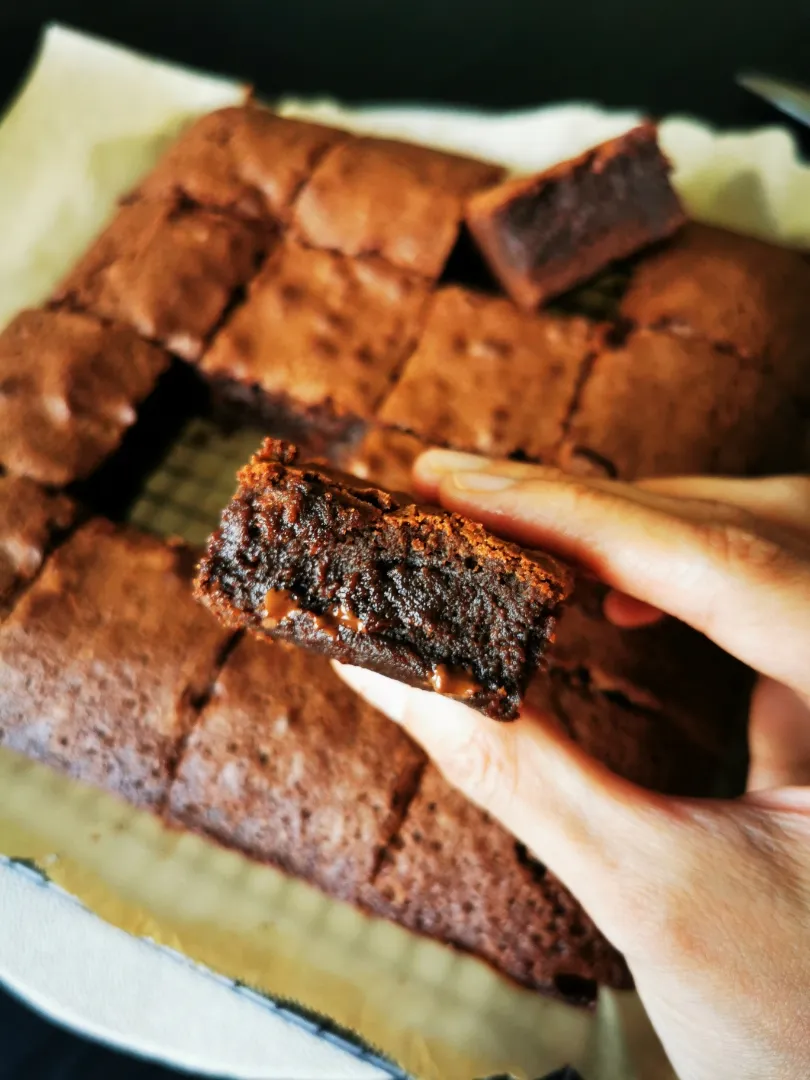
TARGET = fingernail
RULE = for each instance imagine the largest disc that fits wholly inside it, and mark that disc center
(482, 481)
(441, 462)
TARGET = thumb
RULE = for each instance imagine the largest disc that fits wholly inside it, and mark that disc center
(601, 835)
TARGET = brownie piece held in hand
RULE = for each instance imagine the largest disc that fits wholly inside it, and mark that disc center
(543, 234)
(369, 577)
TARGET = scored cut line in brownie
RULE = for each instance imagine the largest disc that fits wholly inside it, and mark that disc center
(382, 197)
(29, 519)
(103, 660)
(368, 577)
(288, 765)
(732, 291)
(167, 269)
(320, 335)
(543, 234)
(454, 874)
(489, 378)
(69, 385)
(666, 405)
(243, 160)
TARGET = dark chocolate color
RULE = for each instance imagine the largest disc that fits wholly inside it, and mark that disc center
(368, 577)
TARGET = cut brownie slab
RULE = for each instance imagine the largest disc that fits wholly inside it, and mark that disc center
(29, 519)
(489, 378)
(168, 270)
(666, 667)
(319, 338)
(641, 744)
(544, 234)
(69, 385)
(735, 292)
(103, 660)
(662, 404)
(242, 160)
(385, 458)
(367, 576)
(388, 198)
(455, 874)
(291, 767)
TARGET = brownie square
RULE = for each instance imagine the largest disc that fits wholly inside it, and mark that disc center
(328, 561)
(320, 336)
(29, 519)
(385, 458)
(641, 744)
(454, 874)
(242, 160)
(289, 766)
(543, 234)
(667, 668)
(489, 378)
(103, 660)
(662, 405)
(382, 197)
(69, 385)
(166, 269)
(738, 293)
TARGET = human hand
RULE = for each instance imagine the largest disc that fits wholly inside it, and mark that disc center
(708, 900)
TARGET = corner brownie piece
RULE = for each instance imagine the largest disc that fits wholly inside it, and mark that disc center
(243, 160)
(393, 199)
(319, 339)
(368, 577)
(69, 385)
(738, 293)
(662, 405)
(385, 458)
(29, 518)
(103, 660)
(289, 766)
(489, 378)
(543, 234)
(454, 874)
(168, 270)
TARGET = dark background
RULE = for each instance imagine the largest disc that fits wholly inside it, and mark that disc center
(666, 56)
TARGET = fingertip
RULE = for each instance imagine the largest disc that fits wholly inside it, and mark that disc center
(628, 613)
(387, 695)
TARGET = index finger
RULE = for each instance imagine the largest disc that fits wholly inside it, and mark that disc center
(747, 592)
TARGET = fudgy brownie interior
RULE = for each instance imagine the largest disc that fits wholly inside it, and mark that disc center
(369, 577)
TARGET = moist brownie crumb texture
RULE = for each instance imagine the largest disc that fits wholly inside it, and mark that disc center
(304, 278)
(368, 576)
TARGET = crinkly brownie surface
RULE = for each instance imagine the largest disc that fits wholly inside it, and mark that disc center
(369, 577)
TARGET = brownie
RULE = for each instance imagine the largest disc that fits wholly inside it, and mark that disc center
(489, 378)
(103, 660)
(641, 744)
(455, 874)
(29, 519)
(367, 576)
(69, 385)
(385, 458)
(662, 404)
(320, 336)
(381, 197)
(243, 160)
(289, 766)
(735, 292)
(666, 667)
(543, 234)
(168, 270)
